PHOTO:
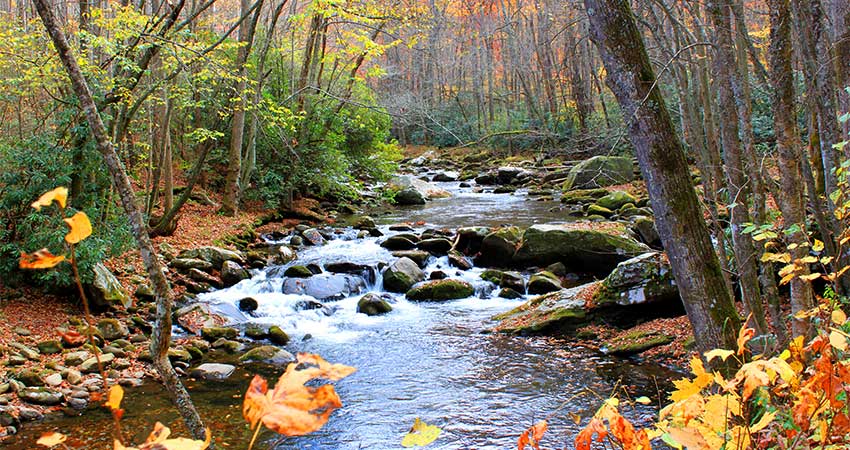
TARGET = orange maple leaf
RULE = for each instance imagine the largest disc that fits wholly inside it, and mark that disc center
(585, 436)
(291, 408)
(533, 435)
(80, 226)
(41, 259)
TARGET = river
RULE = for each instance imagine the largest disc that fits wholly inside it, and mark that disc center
(435, 361)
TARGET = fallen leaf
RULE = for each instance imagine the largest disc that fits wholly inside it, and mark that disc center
(533, 435)
(51, 439)
(158, 440)
(838, 340)
(42, 259)
(643, 400)
(838, 317)
(291, 408)
(60, 195)
(421, 434)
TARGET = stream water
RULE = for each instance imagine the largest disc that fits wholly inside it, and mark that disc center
(429, 360)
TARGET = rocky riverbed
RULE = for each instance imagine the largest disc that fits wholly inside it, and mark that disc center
(444, 298)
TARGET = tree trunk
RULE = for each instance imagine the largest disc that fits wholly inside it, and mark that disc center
(161, 336)
(662, 161)
(232, 187)
(791, 202)
(726, 80)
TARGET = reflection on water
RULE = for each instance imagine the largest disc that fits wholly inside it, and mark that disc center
(432, 361)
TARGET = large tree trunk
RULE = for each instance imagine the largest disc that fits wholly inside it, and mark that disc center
(162, 332)
(788, 146)
(662, 161)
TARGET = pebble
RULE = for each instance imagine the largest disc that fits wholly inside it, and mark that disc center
(27, 414)
(54, 379)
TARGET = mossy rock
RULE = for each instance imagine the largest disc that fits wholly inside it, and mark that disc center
(401, 275)
(298, 272)
(373, 304)
(636, 342)
(492, 275)
(215, 333)
(439, 290)
(278, 336)
(596, 210)
(581, 196)
(580, 249)
(615, 200)
(600, 171)
(543, 283)
(498, 247)
(560, 311)
(268, 354)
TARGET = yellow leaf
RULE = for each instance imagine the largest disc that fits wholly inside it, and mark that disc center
(421, 434)
(41, 259)
(51, 439)
(718, 353)
(838, 317)
(689, 437)
(837, 340)
(643, 400)
(765, 420)
(116, 394)
(817, 246)
(808, 260)
(787, 279)
(826, 259)
(80, 228)
(810, 277)
(60, 195)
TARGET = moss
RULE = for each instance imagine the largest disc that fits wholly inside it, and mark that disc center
(577, 196)
(635, 342)
(439, 290)
(491, 275)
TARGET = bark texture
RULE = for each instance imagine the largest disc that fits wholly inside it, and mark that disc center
(662, 160)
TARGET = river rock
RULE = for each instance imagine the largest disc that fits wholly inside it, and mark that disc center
(469, 239)
(581, 249)
(543, 283)
(507, 175)
(347, 267)
(227, 345)
(90, 365)
(281, 254)
(364, 223)
(595, 210)
(204, 278)
(213, 255)
(646, 231)
(373, 304)
(213, 371)
(439, 290)
(435, 246)
(643, 279)
(509, 294)
(615, 200)
(457, 259)
(486, 179)
(446, 176)
(215, 333)
(41, 396)
(268, 354)
(498, 247)
(313, 236)
(53, 380)
(248, 304)
(560, 311)
(325, 287)
(600, 171)
(232, 273)
(582, 196)
(398, 242)
(111, 329)
(413, 191)
(106, 291)
(298, 272)
(76, 358)
(184, 264)
(277, 336)
(401, 275)
(49, 347)
(420, 257)
(635, 342)
(29, 377)
(196, 316)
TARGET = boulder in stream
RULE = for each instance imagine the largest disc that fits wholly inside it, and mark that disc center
(585, 250)
(232, 273)
(600, 171)
(439, 290)
(325, 287)
(373, 304)
(268, 354)
(213, 371)
(401, 275)
(213, 255)
(498, 247)
(543, 283)
(413, 191)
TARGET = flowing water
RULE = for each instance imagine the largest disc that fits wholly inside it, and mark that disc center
(429, 360)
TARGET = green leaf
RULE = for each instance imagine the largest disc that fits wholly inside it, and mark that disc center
(421, 434)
